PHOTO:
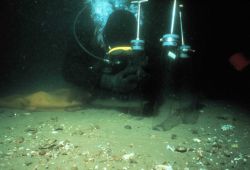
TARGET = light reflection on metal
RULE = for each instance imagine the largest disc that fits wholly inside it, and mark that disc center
(138, 16)
(173, 17)
(138, 44)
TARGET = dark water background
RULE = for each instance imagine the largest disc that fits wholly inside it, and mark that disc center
(35, 36)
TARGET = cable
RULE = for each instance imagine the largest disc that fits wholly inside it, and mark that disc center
(77, 39)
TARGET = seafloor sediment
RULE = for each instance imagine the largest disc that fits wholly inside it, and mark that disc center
(91, 138)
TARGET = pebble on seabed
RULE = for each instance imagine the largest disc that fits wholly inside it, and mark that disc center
(181, 149)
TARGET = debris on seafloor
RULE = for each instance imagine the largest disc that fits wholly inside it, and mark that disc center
(163, 167)
(26, 113)
(31, 130)
(19, 140)
(196, 140)
(181, 149)
(128, 127)
(204, 148)
(49, 143)
(171, 148)
(128, 156)
(173, 136)
(227, 127)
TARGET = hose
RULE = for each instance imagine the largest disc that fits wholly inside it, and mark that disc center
(77, 39)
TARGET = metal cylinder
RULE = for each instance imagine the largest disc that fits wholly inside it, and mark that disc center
(170, 40)
(137, 45)
(184, 50)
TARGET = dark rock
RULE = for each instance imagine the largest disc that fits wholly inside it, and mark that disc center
(173, 136)
(58, 128)
(128, 127)
(50, 144)
(194, 131)
(28, 163)
(31, 130)
(227, 153)
(42, 152)
(19, 140)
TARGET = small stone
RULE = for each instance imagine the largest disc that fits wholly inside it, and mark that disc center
(235, 145)
(55, 119)
(222, 163)
(58, 128)
(214, 150)
(227, 153)
(131, 145)
(194, 131)
(173, 136)
(50, 144)
(42, 152)
(27, 114)
(133, 161)
(28, 163)
(181, 149)
(128, 156)
(196, 140)
(24, 154)
(64, 153)
(217, 145)
(163, 167)
(223, 117)
(31, 130)
(190, 149)
(19, 140)
(128, 127)
(206, 162)
(78, 132)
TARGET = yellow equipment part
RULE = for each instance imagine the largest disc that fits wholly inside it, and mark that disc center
(119, 49)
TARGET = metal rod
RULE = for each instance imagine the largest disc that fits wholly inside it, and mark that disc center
(173, 17)
(182, 34)
(133, 2)
(138, 17)
(138, 21)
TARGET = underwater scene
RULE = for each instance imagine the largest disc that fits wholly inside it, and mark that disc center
(124, 85)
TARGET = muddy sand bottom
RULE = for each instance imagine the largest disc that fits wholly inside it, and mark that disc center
(104, 139)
